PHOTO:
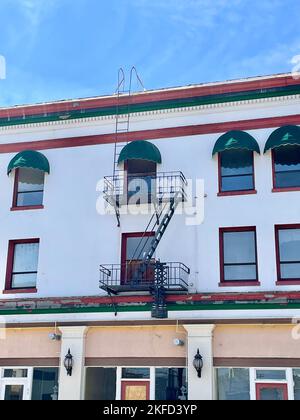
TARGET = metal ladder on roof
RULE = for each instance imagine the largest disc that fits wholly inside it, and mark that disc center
(123, 117)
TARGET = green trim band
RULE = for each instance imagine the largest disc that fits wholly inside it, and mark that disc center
(148, 307)
(153, 106)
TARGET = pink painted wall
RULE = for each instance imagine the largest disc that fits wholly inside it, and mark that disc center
(135, 342)
(255, 341)
(29, 343)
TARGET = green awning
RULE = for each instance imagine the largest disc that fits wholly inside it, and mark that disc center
(236, 140)
(140, 149)
(289, 135)
(29, 159)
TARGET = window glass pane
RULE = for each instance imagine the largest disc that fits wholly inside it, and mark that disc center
(236, 162)
(26, 258)
(100, 384)
(239, 247)
(237, 170)
(133, 373)
(45, 384)
(143, 245)
(170, 385)
(14, 393)
(289, 242)
(240, 272)
(15, 373)
(279, 375)
(287, 166)
(23, 281)
(290, 271)
(30, 180)
(240, 183)
(268, 393)
(30, 199)
(296, 374)
(233, 384)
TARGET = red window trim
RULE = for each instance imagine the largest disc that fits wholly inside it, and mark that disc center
(242, 283)
(234, 193)
(125, 384)
(10, 262)
(275, 188)
(15, 206)
(284, 387)
(281, 281)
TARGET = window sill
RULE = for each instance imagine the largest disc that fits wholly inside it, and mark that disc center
(240, 284)
(278, 190)
(288, 282)
(235, 193)
(19, 291)
(24, 208)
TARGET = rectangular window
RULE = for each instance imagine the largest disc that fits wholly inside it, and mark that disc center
(233, 384)
(271, 375)
(22, 267)
(288, 252)
(15, 373)
(135, 246)
(101, 384)
(286, 164)
(296, 375)
(136, 373)
(236, 170)
(45, 384)
(171, 384)
(238, 255)
(29, 188)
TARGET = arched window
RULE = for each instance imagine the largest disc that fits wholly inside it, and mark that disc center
(285, 146)
(140, 160)
(30, 168)
(236, 162)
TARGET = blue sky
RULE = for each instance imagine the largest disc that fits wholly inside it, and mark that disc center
(58, 49)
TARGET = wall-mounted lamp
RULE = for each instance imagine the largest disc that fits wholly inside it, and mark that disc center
(69, 363)
(198, 363)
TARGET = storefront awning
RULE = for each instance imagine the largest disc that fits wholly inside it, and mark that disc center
(140, 150)
(29, 159)
(288, 135)
(236, 140)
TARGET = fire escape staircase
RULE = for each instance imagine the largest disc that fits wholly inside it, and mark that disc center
(162, 278)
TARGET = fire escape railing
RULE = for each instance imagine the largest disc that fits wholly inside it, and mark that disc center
(144, 188)
(129, 277)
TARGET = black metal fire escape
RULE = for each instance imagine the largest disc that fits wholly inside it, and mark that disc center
(162, 278)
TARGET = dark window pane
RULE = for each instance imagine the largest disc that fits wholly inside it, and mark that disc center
(296, 374)
(100, 384)
(239, 247)
(45, 384)
(233, 384)
(133, 373)
(287, 166)
(15, 373)
(271, 394)
(14, 393)
(30, 187)
(278, 375)
(170, 385)
(237, 170)
(240, 272)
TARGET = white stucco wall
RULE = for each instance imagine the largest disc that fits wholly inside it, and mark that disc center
(75, 240)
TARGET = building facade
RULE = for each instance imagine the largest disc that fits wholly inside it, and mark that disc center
(138, 229)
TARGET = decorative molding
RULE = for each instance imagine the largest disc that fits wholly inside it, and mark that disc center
(137, 115)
